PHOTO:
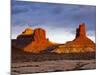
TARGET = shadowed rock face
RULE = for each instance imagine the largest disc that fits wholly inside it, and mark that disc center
(26, 35)
(22, 40)
(33, 41)
(81, 43)
(80, 32)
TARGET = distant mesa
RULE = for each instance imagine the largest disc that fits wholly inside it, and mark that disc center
(28, 31)
(35, 41)
(81, 43)
(27, 34)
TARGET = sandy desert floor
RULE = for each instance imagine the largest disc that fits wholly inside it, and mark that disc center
(51, 66)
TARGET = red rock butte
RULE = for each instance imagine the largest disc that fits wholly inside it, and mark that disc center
(81, 43)
(39, 35)
(33, 41)
(81, 37)
(80, 32)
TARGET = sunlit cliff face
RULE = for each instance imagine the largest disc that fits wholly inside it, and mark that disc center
(27, 31)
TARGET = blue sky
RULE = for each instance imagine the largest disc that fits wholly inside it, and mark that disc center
(59, 20)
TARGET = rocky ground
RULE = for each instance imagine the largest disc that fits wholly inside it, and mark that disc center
(24, 63)
(51, 66)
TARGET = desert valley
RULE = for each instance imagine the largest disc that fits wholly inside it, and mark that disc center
(32, 52)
